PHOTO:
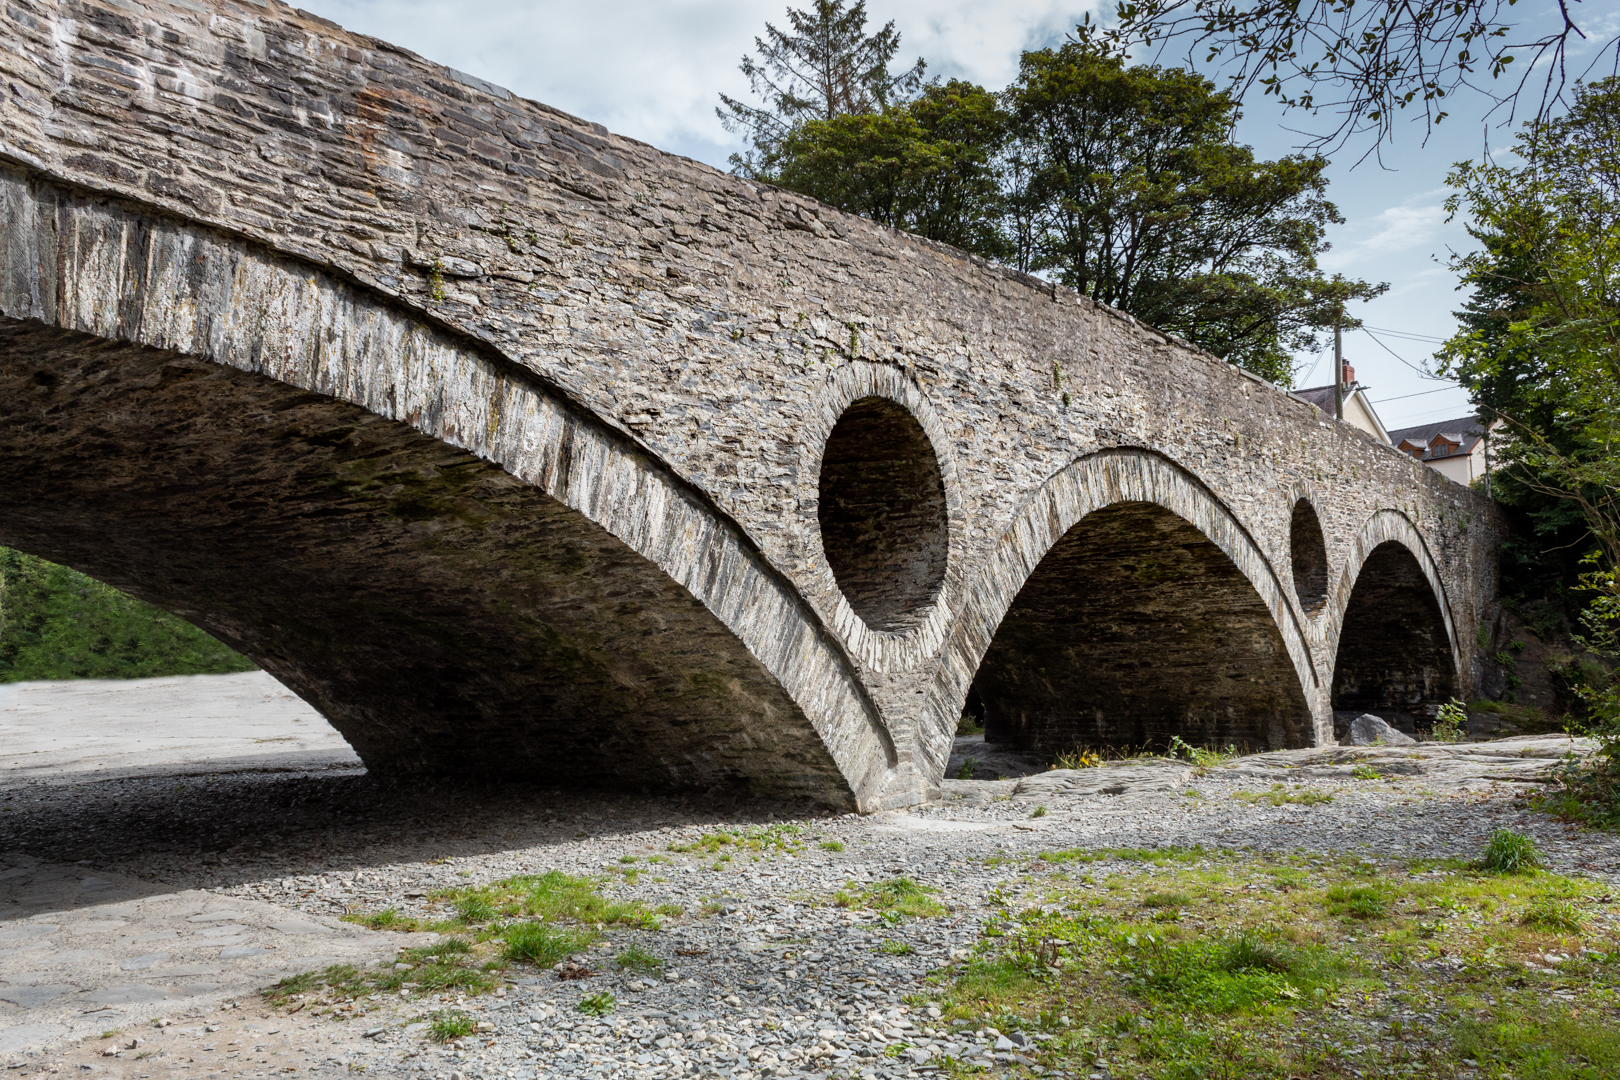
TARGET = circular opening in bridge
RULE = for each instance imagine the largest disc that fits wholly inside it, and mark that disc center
(883, 519)
(1309, 556)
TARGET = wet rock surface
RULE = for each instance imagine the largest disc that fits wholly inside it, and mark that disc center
(763, 975)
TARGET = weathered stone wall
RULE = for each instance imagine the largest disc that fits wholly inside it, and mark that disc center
(720, 328)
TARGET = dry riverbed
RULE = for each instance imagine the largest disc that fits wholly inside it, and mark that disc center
(1062, 924)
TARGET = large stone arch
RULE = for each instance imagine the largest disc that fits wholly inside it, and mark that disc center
(1126, 481)
(1394, 641)
(126, 336)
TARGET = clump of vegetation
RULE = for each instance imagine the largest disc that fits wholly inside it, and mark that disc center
(636, 958)
(56, 623)
(832, 845)
(1266, 981)
(1366, 772)
(597, 1004)
(970, 765)
(898, 897)
(1555, 914)
(550, 897)
(777, 839)
(1450, 723)
(1203, 757)
(542, 944)
(1280, 795)
(448, 1025)
(1357, 901)
(1509, 852)
(450, 964)
(1077, 759)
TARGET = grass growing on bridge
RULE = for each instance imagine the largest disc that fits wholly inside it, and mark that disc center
(55, 623)
(1233, 966)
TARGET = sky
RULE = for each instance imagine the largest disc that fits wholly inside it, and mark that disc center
(653, 70)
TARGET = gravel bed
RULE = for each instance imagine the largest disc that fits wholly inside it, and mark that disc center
(763, 975)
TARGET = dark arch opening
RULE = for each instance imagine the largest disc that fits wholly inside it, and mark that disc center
(1135, 628)
(1308, 554)
(883, 517)
(1394, 656)
(445, 616)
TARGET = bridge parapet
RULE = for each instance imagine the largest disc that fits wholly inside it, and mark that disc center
(728, 334)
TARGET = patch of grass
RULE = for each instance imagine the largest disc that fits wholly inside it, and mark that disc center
(1154, 856)
(832, 845)
(1553, 914)
(1531, 1038)
(636, 958)
(898, 896)
(542, 944)
(1267, 983)
(969, 766)
(1203, 757)
(550, 897)
(778, 839)
(390, 919)
(1039, 811)
(448, 1025)
(1357, 901)
(896, 947)
(597, 1004)
(1366, 772)
(1280, 795)
(1509, 852)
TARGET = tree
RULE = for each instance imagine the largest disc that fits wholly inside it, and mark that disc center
(1540, 344)
(827, 67)
(1540, 349)
(1366, 60)
(927, 166)
(1129, 188)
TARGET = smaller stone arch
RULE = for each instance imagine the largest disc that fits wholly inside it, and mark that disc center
(1394, 642)
(900, 644)
(1307, 555)
(1125, 491)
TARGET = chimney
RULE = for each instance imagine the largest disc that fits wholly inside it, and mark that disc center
(1349, 375)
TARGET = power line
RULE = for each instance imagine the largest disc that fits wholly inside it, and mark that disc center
(1406, 334)
(1420, 393)
(1426, 374)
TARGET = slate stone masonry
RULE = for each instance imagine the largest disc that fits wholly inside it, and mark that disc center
(704, 334)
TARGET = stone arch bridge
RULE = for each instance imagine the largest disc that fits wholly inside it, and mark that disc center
(518, 447)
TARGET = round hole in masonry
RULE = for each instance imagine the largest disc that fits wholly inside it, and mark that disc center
(1309, 556)
(883, 517)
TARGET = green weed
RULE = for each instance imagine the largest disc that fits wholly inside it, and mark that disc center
(543, 945)
(597, 1004)
(1554, 914)
(897, 896)
(1509, 852)
(636, 958)
(448, 1025)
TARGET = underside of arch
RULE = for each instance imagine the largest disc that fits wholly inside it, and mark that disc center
(1395, 656)
(1133, 629)
(456, 563)
(444, 615)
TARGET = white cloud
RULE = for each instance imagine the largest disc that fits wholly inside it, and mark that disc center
(1396, 229)
(652, 69)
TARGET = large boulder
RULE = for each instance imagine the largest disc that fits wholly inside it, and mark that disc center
(1369, 730)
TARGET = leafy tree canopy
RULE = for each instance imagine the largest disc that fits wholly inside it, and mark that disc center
(827, 66)
(1540, 344)
(1367, 61)
(1130, 189)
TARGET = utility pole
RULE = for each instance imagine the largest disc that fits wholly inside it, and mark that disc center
(1338, 366)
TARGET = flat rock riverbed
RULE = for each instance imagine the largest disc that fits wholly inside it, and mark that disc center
(173, 888)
